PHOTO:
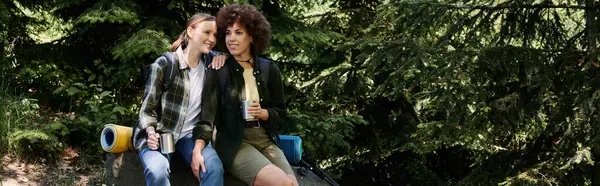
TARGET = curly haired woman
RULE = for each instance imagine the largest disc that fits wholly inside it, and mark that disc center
(246, 143)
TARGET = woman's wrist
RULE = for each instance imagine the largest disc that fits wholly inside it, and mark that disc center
(264, 115)
(150, 131)
(199, 145)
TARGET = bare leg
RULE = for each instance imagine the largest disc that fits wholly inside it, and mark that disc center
(272, 175)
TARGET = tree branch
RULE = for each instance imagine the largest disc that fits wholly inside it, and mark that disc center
(328, 13)
(501, 7)
(478, 7)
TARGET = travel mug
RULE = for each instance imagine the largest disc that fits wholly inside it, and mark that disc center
(167, 144)
(245, 106)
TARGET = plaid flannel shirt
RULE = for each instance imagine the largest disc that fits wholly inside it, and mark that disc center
(172, 103)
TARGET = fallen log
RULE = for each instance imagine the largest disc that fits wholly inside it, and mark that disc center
(126, 169)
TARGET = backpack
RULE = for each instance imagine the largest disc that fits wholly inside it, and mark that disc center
(169, 72)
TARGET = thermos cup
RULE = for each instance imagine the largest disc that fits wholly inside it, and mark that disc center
(167, 144)
(245, 106)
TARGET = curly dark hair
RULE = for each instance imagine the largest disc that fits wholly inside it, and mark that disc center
(250, 18)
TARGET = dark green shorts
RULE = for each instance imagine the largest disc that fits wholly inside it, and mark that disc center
(257, 151)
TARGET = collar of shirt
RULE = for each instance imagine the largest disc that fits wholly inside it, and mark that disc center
(183, 60)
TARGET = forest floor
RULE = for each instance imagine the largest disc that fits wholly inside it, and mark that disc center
(16, 171)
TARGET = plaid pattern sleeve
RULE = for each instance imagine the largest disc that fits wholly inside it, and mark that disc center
(153, 88)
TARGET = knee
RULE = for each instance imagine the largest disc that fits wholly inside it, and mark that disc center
(273, 180)
(157, 170)
(283, 181)
(214, 166)
(286, 182)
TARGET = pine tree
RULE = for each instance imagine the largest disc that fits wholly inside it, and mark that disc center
(397, 92)
(512, 83)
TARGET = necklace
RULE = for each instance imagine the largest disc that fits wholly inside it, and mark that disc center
(247, 61)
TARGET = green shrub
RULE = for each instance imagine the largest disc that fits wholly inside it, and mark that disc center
(324, 136)
(22, 128)
(92, 107)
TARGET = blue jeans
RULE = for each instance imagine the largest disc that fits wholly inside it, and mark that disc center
(156, 164)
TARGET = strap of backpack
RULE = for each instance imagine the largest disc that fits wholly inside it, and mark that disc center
(171, 70)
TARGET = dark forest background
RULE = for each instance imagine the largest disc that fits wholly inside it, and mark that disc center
(383, 92)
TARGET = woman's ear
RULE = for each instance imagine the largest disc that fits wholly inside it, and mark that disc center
(190, 32)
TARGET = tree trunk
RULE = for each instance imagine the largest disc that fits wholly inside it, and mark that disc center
(590, 16)
(596, 167)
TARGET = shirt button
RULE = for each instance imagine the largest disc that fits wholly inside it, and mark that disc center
(257, 72)
(237, 70)
(260, 99)
(259, 83)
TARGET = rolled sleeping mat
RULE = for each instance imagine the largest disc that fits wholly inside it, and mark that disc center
(116, 138)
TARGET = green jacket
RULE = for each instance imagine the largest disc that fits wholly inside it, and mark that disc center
(224, 109)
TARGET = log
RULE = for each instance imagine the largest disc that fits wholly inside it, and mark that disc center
(126, 169)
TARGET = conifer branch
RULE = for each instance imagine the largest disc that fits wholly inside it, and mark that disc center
(504, 6)
(329, 13)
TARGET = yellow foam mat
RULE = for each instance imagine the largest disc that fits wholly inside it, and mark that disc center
(116, 138)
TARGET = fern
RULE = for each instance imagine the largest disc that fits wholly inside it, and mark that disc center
(31, 135)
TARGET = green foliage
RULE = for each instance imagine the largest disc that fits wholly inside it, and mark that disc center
(112, 11)
(143, 42)
(45, 146)
(23, 130)
(295, 42)
(16, 113)
(404, 92)
(504, 84)
(324, 135)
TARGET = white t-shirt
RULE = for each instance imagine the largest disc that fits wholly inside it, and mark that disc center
(196, 76)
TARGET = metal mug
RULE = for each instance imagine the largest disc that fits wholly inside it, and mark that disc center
(245, 106)
(167, 144)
